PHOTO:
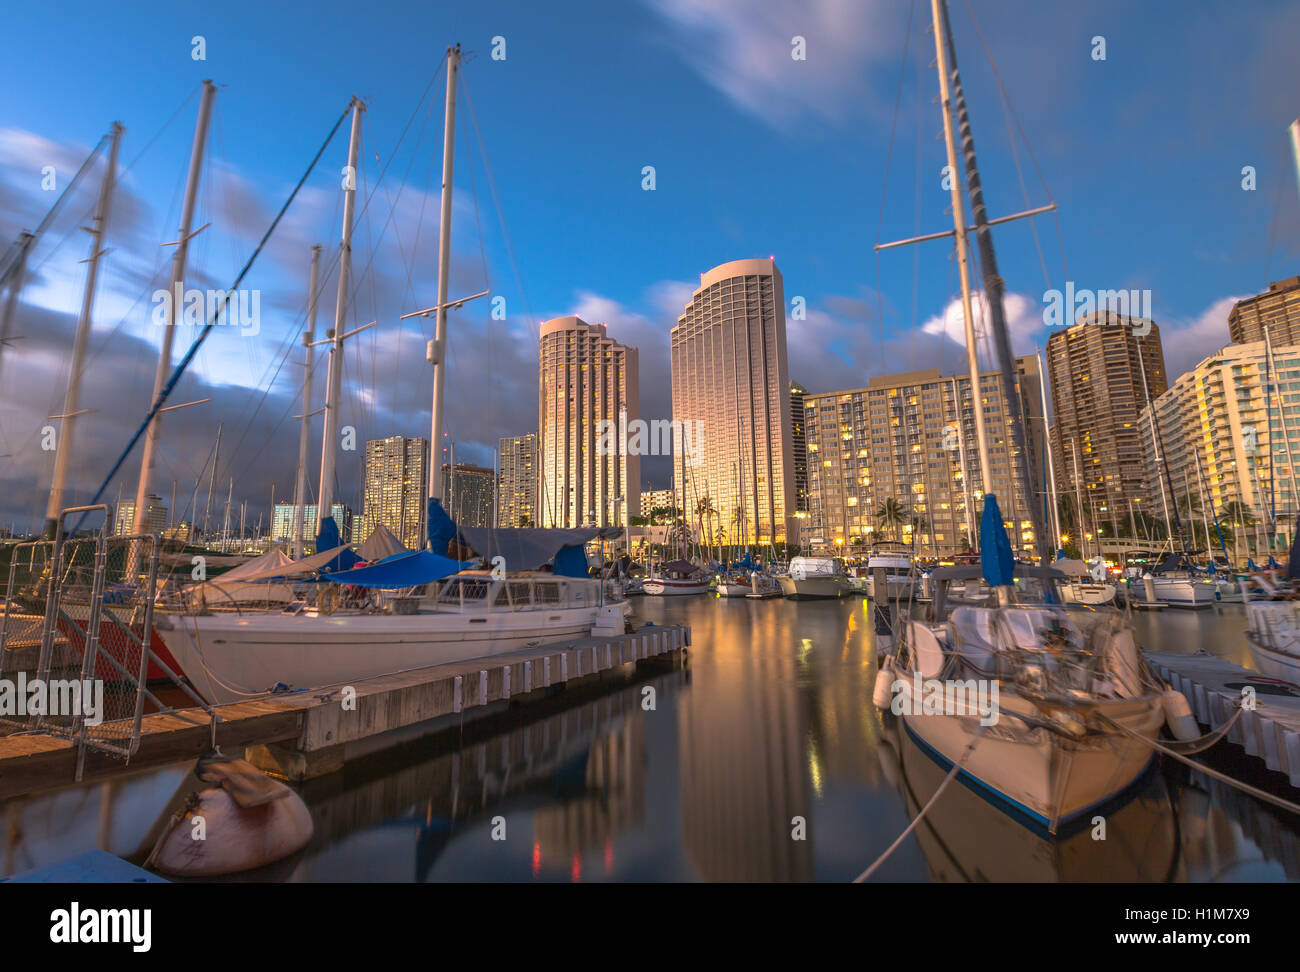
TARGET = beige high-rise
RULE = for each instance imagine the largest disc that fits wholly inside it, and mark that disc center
(731, 382)
(586, 378)
(1278, 309)
(394, 488)
(517, 481)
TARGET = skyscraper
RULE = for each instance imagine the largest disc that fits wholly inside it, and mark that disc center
(731, 394)
(1226, 435)
(588, 385)
(1095, 378)
(469, 492)
(155, 517)
(394, 488)
(910, 438)
(282, 518)
(799, 446)
(517, 482)
(1278, 309)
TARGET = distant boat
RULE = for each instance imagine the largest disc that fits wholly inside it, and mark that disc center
(815, 578)
(675, 579)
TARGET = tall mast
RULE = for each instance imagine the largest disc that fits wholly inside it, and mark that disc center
(1162, 470)
(68, 417)
(438, 347)
(334, 386)
(304, 431)
(965, 472)
(1054, 516)
(212, 482)
(163, 371)
(1078, 499)
(993, 286)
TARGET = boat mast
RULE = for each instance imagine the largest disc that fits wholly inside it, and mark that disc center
(174, 293)
(993, 285)
(1054, 516)
(438, 346)
(1078, 500)
(1157, 450)
(304, 431)
(336, 335)
(963, 252)
(68, 417)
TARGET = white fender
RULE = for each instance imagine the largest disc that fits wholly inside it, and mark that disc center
(884, 691)
(1178, 715)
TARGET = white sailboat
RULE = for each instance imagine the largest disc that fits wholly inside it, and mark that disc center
(1043, 717)
(410, 610)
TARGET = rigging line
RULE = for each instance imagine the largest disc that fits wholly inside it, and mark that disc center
(179, 370)
(121, 176)
(1007, 106)
(529, 316)
(11, 255)
(889, 156)
(1011, 141)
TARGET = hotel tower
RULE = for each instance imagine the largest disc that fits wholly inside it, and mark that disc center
(731, 393)
(586, 379)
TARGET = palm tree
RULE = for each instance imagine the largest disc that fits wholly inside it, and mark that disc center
(1236, 514)
(890, 515)
(919, 525)
(704, 510)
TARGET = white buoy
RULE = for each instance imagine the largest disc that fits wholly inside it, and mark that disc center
(884, 691)
(1178, 715)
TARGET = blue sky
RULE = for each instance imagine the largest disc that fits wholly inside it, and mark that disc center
(755, 154)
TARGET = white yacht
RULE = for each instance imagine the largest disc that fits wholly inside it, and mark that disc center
(228, 655)
(1273, 631)
(900, 575)
(815, 577)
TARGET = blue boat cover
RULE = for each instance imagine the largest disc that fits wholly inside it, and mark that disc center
(441, 527)
(401, 570)
(327, 539)
(996, 561)
(1293, 561)
(571, 561)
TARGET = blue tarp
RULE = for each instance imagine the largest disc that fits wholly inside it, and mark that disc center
(402, 570)
(571, 562)
(441, 527)
(1251, 564)
(996, 561)
(327, 538)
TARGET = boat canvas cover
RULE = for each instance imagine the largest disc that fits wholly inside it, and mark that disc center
(529, 549)
(683, 567)
(402, 570)
(380, 544)
(1071, 568)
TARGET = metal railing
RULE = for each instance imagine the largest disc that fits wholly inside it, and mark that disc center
(85, 678)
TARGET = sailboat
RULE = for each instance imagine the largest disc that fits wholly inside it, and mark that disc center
(413, 609)
(1044, 714)
(1273, 627)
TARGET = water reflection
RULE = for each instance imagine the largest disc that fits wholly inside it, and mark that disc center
(770, 723)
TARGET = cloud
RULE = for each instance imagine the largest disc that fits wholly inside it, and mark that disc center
(744, 49)
(1187, 340)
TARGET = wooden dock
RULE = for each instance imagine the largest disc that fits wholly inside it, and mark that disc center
(1270, 732)
(304, 734)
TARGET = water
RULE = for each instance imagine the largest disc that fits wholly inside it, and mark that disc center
(769, 723)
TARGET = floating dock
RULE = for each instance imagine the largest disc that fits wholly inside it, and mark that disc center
(1271, 731)
(307, 733)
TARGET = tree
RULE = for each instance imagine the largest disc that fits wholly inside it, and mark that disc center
(919, 525)
(890, 515)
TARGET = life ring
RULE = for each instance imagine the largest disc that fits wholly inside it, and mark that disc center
(328, 602)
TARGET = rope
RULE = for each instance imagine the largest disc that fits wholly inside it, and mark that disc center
(952, 773)
(1221, 777)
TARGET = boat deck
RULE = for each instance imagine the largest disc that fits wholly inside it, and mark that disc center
(306, 733)
(1271, 732)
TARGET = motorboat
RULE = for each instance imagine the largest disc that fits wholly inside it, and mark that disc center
(815, 578)
(900, 576)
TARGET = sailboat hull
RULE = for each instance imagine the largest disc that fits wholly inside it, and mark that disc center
(1044, 779)
(228, 658)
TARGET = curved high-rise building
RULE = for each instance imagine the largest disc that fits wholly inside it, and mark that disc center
(731, 394)
(587, 382)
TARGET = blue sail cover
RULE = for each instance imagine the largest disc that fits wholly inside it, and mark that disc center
(327, 539)
(1293, 561)
(571, 561)
(1251, 564)
(402, 570)
(996, 561)
(442, 528)
(1273, 563)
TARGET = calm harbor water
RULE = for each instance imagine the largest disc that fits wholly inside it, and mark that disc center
(770, 720)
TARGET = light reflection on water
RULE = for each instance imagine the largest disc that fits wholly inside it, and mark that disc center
(771, 720)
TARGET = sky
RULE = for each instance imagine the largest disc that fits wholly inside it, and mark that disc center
(810, 160)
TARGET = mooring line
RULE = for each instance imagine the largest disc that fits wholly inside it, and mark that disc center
(952, 773)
